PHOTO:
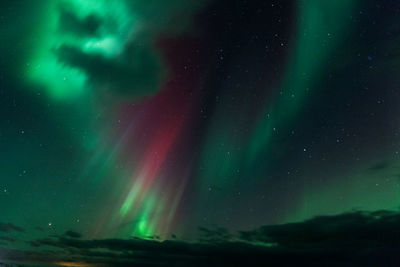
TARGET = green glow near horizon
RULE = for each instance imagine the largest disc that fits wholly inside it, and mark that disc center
(332, 197)
(145, 226)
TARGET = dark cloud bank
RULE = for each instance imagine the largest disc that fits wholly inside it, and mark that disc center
(349, 239)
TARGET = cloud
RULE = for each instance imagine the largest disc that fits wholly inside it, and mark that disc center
(356, 238)
(214, 235)
(72, 234)
(9, 227)
(348, 229)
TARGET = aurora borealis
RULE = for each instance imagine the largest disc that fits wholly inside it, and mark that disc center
(182, 125)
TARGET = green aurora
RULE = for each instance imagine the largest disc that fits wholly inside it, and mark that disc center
(148, 119)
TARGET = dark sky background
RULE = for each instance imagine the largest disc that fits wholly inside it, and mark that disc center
(199, 122)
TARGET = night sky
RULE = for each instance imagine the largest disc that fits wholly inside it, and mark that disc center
(187, 126)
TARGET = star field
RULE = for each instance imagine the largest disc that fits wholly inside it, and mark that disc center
(162, 120)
